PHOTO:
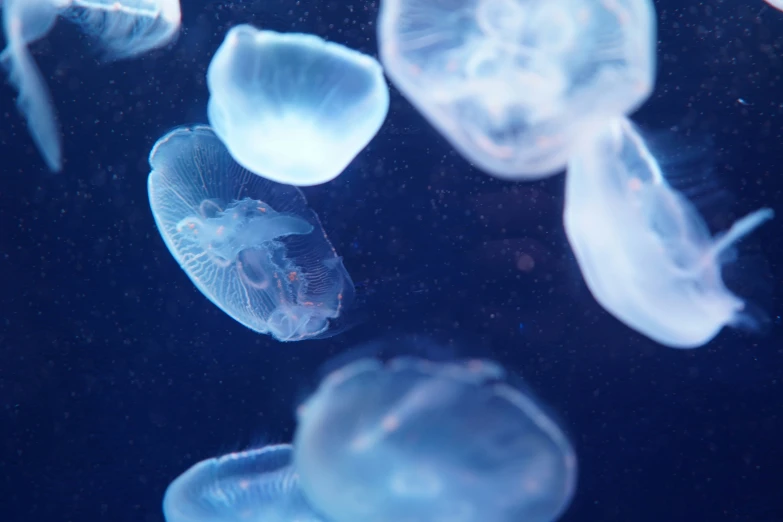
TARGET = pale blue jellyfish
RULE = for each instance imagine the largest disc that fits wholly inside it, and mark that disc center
(513, 84)
(123, 28)
(643, 249)
(252, 246)
(420, 441)
(292, 107)
(257, 486)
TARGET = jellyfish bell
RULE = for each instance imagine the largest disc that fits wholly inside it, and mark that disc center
(292, 107)
(258, 484)
(512, 84)
(251, 246)
(418, 440)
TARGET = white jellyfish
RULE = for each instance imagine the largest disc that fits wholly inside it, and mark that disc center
(292, 107)
(644, 251)
(513, 84)
(123, 28)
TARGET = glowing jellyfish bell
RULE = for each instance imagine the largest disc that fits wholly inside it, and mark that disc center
(252, 246)
(256, 485)
(294, 108)
(644, 251)
(513, 84)
(123, 29)
(421, 441)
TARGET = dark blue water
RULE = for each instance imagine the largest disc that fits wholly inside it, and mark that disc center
(116, 374)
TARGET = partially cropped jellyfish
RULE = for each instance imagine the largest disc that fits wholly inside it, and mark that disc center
(257, 485)
(124, 29)
(292, 107)
(252, 246)
(513, 84)
(645, 253)
(420, 441)
(777, 4)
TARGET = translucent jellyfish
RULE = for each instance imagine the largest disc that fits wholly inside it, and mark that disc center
(292, 107)
(252, 246)
(645, 252)
(512, 84)
(257, 485)
(428, 442)
(123, 28)
(777, 4)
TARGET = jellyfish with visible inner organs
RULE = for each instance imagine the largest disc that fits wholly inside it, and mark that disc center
(294, 108)
(644, 251)
(421, 441)
(255, 485)
(252, 246)
(514, 84)
(123, 28)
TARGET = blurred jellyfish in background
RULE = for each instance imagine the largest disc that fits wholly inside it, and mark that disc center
(252, 246)
(256, 485)
(644, 250)
(122, 28)
(421, 441)
(292, 107)
(514, 84)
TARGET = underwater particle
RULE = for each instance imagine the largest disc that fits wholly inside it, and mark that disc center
(122, 28)
(421, 441)
(514, 84)
(252, 246)
(257, 485)
(294, 108)
(645, 252)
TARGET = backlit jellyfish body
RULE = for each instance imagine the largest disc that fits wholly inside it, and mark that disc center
(292, 107)
(420, 441)
(513, 84)
(257, 485)
(777, 4)
(252, 246)
(645, 253)
(123, 29)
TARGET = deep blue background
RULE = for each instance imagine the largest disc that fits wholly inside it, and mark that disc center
(116, 374)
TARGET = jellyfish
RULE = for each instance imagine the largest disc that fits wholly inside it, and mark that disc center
(644, 250)
(513, 84)
(421, 441)
(257, 485)
(251, 246)
(292, 107)
(124, 29)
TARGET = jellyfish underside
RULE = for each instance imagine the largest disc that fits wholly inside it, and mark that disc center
(644, 250)
(270, 93)
(512, 85)
(424, 442)
(123, 29)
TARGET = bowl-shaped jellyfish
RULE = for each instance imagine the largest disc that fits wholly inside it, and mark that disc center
(644, 251)
(420, 441)
(292, 107)
(252, 246)
(512, 84)
(257, 485)
(123, 29)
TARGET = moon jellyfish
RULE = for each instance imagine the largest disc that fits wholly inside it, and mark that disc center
(252, 246)
(292, 107)
(255, 485)
(123, 28)
(644, 251)
(420, 441)
(512, 84)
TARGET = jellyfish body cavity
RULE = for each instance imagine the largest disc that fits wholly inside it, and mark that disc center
(420, 441)
(292, 107)
(122, 28)
(258, 485)
(252, 246)
(513, 84)
(644, 250)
